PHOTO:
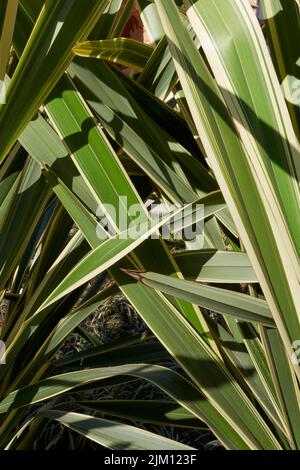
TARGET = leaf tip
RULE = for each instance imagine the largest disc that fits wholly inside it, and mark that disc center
(137, 275)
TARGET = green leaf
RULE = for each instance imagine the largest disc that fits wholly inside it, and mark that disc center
(159, 75)
(106, 255)
(240, 171)
(285, 55)
(159, 412)
(152, 352)
(201, 363)
(98, 84)
(285, 383)
(8, 14)
(45, 58)
(45, 147)
(169, 381)
(27, 208)
(150, 19)
(216, 266)
(248, 358)
(116, 346)
(123, 51)
(113, 435)
(212, 298)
